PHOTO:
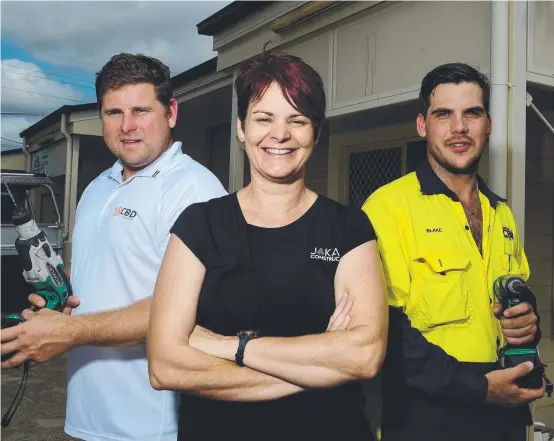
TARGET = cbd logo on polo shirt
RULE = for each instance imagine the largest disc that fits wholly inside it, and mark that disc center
(125, 213)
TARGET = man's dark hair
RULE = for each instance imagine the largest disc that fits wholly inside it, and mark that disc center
(453, 73)
(130, 69)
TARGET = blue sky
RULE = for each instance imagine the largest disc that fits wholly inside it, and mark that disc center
(51, 56)
(76, 75)
(17, 61)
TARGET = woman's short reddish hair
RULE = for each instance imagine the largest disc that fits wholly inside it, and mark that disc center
(301, 85)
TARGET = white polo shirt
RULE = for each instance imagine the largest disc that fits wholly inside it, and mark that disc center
(120, 236)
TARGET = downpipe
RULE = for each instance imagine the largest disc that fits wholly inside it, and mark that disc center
(68, 163)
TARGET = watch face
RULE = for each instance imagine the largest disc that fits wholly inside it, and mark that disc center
(249, 333)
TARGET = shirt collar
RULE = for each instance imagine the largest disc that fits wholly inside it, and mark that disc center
(431, 184)
(153, 169)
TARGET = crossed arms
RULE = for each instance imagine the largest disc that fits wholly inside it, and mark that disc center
(195, 360)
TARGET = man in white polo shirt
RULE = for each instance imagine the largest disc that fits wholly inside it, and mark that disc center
(121, 232)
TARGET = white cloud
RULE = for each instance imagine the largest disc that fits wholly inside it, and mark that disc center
(87, 34)
(12, 127)
(25, 88)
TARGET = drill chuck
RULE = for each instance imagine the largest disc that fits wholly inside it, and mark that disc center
(510, 290)
(27, 230)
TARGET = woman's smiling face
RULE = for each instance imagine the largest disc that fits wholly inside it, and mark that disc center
(278, 139)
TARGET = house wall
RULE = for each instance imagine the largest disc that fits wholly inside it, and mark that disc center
(14, 161)
(540, 56)
(378, 55)
(49, 159)
(390, 51)
(316, 52)
(91, 126)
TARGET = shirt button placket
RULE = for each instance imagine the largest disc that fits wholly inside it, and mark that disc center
(108, 202)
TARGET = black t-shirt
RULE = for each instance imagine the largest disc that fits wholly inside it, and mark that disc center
(279, 282)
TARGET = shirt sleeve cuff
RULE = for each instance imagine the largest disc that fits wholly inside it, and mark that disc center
(472, 386)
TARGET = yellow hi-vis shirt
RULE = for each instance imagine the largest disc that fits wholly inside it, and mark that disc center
(433, 268)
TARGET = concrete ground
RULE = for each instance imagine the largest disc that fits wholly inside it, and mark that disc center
(41, 414)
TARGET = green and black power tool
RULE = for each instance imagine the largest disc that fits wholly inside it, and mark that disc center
(42, 269)
(511, 291)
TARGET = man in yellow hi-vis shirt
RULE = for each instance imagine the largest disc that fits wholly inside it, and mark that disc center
(444, 238)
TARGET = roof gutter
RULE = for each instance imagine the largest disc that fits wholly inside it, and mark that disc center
(68, 162)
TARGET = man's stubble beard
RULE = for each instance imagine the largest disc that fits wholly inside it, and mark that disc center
(136, 168)
(470, 169)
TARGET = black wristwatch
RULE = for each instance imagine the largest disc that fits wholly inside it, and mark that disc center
(244, 337)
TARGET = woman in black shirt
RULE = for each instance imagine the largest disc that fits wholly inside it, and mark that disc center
(296, 275)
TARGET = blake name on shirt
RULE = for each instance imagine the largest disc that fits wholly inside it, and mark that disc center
(327, 254)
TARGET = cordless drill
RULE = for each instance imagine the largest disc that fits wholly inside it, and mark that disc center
(511, 291)
(43, 270)
(42, 267)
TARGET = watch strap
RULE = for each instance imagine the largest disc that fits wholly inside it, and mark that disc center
(244, 338)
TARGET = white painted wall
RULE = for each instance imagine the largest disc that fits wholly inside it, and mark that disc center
(541, 38)
(370, 55)
(317, 53)
(390, 52)
(249, 36)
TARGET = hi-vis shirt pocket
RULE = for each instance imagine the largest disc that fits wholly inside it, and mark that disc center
(510, 265)
(440, 292)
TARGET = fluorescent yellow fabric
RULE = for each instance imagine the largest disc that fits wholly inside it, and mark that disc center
(433, 267)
